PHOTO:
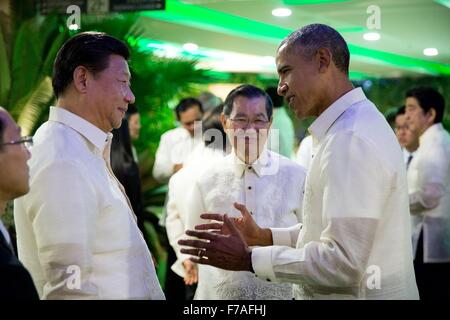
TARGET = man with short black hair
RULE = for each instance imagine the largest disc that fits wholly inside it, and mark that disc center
(76, 230)
(268, 184)
(429, 192)
(176, 144)
(15, 281)
(355, 240)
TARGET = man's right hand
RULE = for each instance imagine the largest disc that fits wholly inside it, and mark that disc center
(251, 232)
(191, 272)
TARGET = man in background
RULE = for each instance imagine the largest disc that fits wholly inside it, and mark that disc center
(176, 144)
(408, 141)
(429, 193)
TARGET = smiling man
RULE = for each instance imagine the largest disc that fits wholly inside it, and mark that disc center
(429, 192)
(76, 230)
(355, 239)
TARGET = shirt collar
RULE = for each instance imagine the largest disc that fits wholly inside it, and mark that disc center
(263, 161)
(320, 126)
(96, 136)
(431, 132)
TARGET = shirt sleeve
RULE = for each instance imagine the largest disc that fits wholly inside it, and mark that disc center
(432, 180)
(175, 224)
(63, 211)
(355, 184)
(163, 166)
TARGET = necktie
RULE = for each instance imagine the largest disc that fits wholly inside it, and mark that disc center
(408, 161)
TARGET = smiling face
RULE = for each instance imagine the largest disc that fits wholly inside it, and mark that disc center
(300, 82)
(14, 170)
(109, 93)
(247, 127)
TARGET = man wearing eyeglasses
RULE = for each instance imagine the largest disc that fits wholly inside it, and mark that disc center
(76, 229)
(267, 183)
(15, 281)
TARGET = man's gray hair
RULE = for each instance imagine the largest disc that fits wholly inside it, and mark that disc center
(315, 36)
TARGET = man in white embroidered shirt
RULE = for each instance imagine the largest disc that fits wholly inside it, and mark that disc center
(250, 175)
(76, 231)
(355, 239)
(429, 193)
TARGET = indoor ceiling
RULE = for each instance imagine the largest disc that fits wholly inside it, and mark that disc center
(243, 35)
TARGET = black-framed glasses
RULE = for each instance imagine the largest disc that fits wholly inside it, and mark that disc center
(26, 141)
(244, 122)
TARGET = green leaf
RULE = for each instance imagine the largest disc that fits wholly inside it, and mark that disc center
(33, 105)
(5, 75)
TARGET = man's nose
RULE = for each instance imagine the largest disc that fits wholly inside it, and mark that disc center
(130, 97)
(281, 89)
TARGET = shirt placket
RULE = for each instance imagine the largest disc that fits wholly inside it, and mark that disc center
(114, 180)
(249, 187)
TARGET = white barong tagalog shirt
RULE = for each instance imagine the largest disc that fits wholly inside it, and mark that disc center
(272, 190)
(429, 195)
(356, 239)
(76, 231)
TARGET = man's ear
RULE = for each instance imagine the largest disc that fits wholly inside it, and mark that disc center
(431, 116)
(323, 57)
(80, 75)
(223, 120)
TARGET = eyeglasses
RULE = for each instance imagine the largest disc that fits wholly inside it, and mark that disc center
(244, 122)
(26, 141)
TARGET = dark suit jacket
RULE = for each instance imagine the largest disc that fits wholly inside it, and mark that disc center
(15, 281)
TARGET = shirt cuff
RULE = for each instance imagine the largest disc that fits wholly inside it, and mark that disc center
(262, 263)
(281, 236)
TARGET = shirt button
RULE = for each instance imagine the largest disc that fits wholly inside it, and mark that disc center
(249, 168)
(249, 188)
(268, 279)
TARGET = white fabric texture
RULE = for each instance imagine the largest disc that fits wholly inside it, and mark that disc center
(304, 153)
(429, 194)
(272, 190)
(180, 186)
(355, 240)
(76, 231)
(174, 148)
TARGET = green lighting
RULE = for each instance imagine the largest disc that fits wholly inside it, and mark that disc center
(212, 20)
(304, 2)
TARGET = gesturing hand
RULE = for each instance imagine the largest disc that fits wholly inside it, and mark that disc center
(226, 251)
(250, 231)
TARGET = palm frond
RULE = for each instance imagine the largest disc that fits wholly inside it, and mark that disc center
(34, 104)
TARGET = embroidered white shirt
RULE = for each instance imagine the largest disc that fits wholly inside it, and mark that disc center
(429, 194)
(76, 231)
(272, 190)
(355, 241)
